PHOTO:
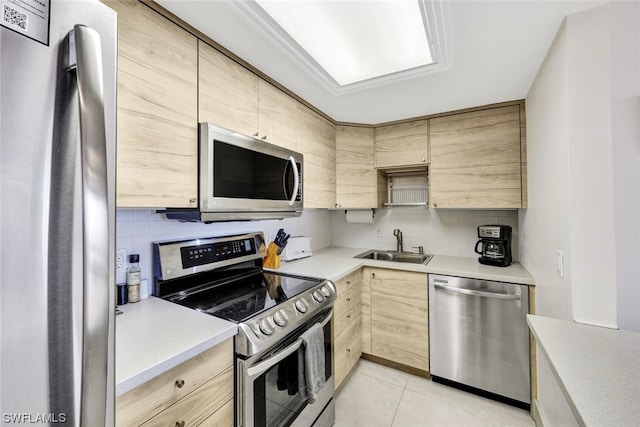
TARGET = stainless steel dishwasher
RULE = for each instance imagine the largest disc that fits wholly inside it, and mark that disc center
(478, 337)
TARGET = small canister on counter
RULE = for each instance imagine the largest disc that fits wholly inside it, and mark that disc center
(133, 278)
(121, 294)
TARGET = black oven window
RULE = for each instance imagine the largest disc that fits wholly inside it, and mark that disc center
(277, 401)
(240, 173)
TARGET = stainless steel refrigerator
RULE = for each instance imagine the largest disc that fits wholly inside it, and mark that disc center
(57, 211)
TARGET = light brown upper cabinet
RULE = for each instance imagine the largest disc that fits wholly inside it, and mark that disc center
(358, 184)
(402, 145)
(277, 116)
(475, 159)
(157, 110)
(228, 92)
(317, 142)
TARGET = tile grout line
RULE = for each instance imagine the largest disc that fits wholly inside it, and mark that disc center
(395, 413)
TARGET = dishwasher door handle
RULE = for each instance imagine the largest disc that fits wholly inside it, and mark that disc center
(476, 293)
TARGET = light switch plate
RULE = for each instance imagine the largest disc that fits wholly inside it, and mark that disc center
(379, 232)
(560, 263)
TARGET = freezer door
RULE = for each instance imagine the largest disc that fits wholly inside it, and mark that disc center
(48, 248)
(478, 335)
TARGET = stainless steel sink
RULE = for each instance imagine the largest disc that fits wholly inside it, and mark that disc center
(395, 256)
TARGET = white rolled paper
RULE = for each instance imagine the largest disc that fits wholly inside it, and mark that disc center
(360, 216)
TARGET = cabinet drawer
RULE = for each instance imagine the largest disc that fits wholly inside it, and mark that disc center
(223, 417)
(199, 405)
(345, 325)
(157, 394)
(347, 300)
(347, 352)
(348, 281)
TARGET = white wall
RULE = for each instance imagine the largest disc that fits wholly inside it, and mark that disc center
(138, 229)
(572, 183)
(444, 232)
(591, 168)
(544, 226)
(583, 152)
(625, 77)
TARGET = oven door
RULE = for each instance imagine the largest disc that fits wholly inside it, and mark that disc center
(240, 173)
(268, 393)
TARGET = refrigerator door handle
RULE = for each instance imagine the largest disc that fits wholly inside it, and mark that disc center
(85, 57)
(476, 293)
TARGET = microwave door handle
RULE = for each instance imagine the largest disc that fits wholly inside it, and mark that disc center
(296, 180)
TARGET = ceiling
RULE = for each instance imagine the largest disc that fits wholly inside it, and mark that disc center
(494, 50)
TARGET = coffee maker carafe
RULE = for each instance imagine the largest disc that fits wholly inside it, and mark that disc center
(495, 242)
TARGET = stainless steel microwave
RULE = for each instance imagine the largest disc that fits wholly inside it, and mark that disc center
(244, 178)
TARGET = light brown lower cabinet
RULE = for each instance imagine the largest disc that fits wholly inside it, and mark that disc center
(400, 317)
(347, 325)
(197, 392)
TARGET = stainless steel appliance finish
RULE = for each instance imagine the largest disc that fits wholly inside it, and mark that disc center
(478, 335)
(244, 178)
(396, 256)
(223, 277)
(58, 215)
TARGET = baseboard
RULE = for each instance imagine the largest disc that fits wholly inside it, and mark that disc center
(538, 413)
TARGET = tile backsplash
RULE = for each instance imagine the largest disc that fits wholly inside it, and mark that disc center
(442, 231)
(138, 229)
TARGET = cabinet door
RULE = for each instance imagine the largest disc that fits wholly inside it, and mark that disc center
(167, 389)
(317, 142)
(400, 317)
(347, 324)
(358, 183)
(278, 116)
(227, 93)
(157, 110)
(475, 159)
(366, 309)
(400, 145)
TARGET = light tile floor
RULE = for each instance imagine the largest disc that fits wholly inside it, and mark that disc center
(378, 396)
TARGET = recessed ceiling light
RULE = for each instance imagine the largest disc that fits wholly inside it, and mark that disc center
(350, 45)
(356, 40)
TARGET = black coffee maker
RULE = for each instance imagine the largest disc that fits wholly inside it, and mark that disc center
(495, 242)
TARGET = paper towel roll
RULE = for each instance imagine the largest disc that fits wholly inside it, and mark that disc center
(361, 216)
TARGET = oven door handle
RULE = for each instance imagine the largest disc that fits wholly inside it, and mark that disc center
(265, 365)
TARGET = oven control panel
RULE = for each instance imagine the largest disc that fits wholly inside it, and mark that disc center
(181, 258)
(193, 256)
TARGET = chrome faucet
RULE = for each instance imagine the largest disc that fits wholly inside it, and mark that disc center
(398, 235)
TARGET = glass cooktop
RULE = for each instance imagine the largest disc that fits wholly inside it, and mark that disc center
(244, 297)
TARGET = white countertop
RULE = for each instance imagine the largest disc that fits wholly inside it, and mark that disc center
(153, 336)
(596, 368)
(336, 262)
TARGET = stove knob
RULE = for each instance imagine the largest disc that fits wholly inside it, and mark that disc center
(326, 291)
(280, 318)
(318, 296)
(266, 327)
(301, 306)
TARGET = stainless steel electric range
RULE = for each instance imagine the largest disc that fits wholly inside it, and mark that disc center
(223, 277)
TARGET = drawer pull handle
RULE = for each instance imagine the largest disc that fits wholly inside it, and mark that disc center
(348, 316)
(181, 423)
(348, 350)
(180, 384)
(348, 299)
(373, 275)
(348, 282)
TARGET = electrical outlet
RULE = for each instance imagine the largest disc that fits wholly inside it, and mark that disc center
(379, 232)
(121, 255)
